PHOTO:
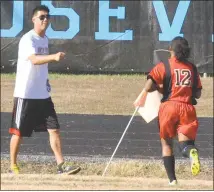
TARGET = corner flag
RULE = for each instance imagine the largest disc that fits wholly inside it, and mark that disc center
(148, 103)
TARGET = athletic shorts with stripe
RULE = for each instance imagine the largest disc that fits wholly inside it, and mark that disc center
(30, 115)
(177, 117)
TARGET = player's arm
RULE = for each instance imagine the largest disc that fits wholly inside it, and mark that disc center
(198, 94)
(28, 51)
(150, 84)
(154, 78)
(199, 87)
(42, 59)
(148, 87)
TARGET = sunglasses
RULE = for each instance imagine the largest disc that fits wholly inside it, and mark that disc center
(42, 17)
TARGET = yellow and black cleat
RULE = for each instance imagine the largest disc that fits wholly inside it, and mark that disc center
(195, 163)
(14, 169)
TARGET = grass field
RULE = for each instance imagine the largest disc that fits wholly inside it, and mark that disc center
(99, 94)
(109, 95)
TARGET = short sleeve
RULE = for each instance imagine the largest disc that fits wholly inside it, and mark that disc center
(26, 47)
(157, 73)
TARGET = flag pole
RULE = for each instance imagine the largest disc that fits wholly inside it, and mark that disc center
(120, 140)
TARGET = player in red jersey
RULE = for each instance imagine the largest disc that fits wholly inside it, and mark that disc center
(177, 115)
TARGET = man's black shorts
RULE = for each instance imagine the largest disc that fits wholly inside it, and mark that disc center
(33, 115)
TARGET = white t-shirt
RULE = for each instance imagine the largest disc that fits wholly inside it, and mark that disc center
(32, 80)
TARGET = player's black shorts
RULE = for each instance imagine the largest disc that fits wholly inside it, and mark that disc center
(30, 115)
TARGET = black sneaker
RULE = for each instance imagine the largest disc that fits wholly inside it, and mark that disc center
(67, 169)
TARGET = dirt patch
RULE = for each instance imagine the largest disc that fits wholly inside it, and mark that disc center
(64, 182)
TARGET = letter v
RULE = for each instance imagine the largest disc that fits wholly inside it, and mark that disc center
(169, 32)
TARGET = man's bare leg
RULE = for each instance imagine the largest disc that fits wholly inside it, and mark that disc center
(55, 143)
(14, 148)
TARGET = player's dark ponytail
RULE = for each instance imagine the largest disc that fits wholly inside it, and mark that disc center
(181, 48)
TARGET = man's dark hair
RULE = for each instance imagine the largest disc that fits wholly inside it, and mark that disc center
(181, 48)
(40, 8)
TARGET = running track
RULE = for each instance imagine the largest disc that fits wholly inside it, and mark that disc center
(98, 135)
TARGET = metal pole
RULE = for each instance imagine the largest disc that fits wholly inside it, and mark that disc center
(120, 141)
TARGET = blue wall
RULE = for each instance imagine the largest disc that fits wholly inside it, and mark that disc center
(111, 36)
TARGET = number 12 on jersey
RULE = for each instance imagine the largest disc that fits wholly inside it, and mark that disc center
(183, 77)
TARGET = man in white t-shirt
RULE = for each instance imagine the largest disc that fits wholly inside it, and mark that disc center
(33, 108)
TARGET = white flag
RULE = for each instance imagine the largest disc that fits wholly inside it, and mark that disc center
(149, 110)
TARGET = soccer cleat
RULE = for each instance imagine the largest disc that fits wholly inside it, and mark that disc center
(67, 169)
(173, 183)
(14, 169)
(195, 163)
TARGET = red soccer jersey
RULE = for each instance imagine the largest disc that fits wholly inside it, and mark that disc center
(182, 79)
